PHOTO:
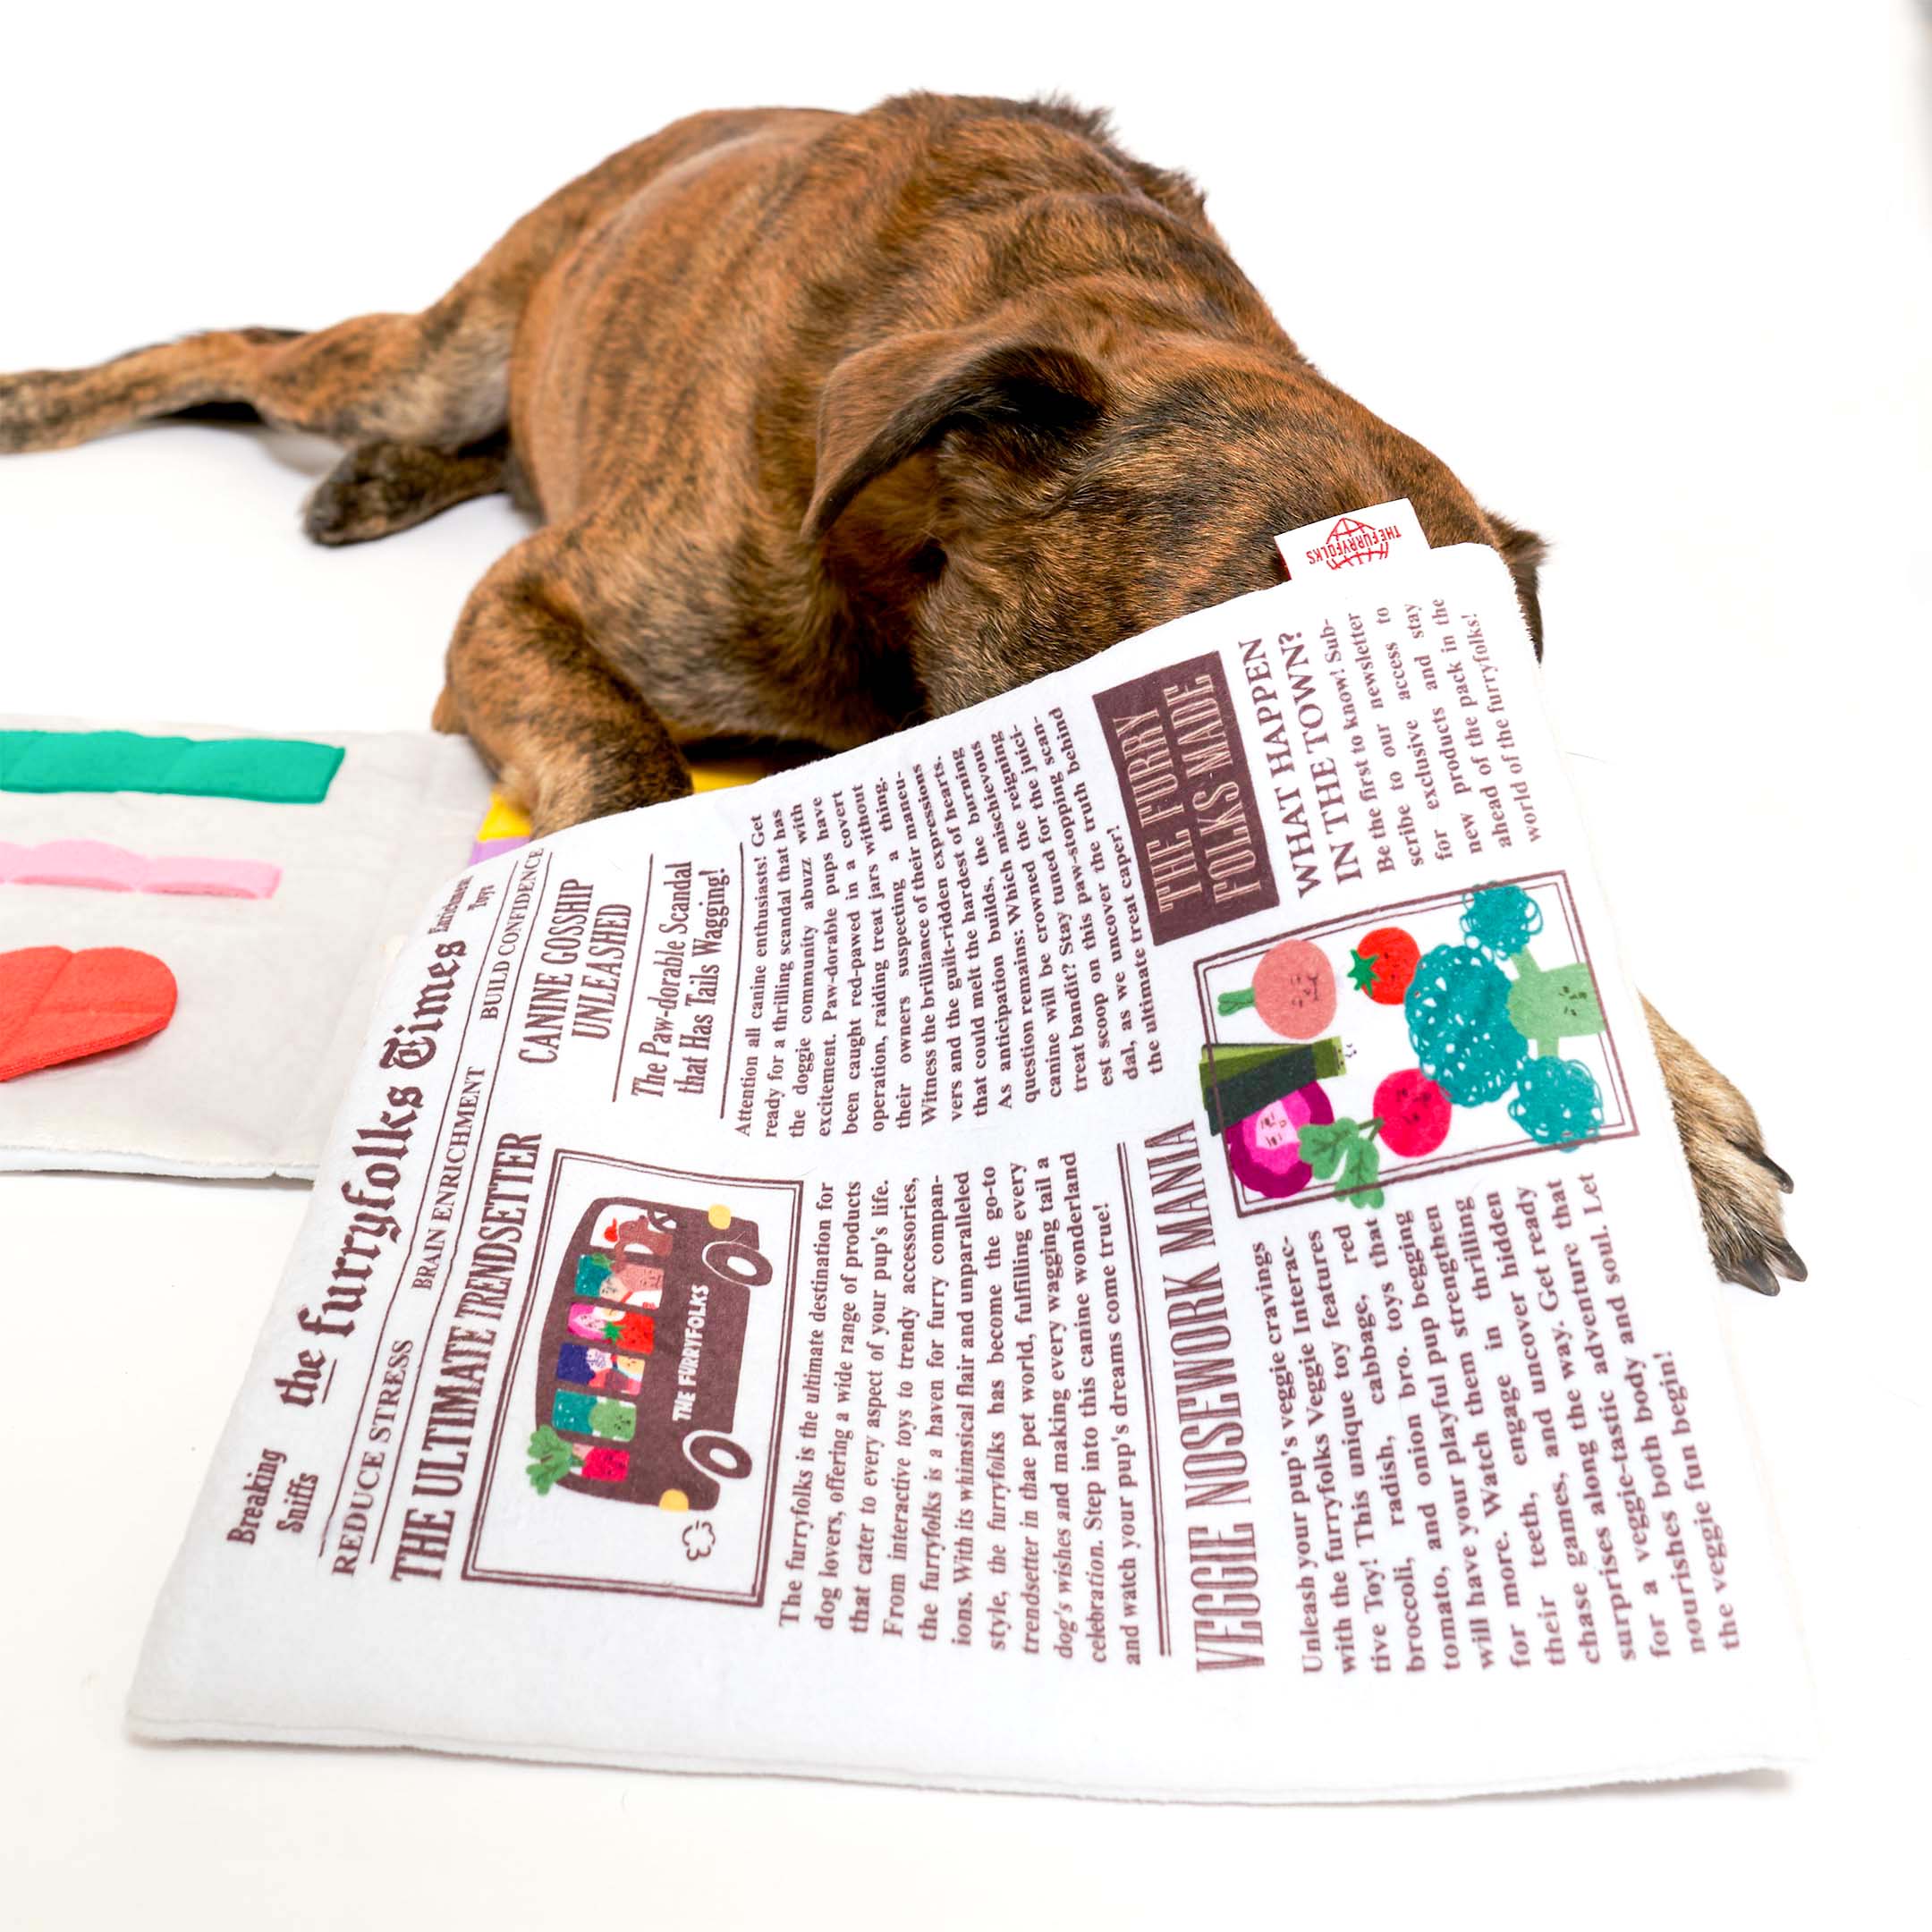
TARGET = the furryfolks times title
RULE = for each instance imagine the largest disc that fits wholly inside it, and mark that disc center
(381, 1148)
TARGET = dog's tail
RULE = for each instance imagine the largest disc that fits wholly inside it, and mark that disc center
(439, 379)
(56, 409)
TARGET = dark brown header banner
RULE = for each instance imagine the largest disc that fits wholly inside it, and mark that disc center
(1191, 802)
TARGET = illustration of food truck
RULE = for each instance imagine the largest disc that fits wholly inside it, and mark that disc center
(640, 1353)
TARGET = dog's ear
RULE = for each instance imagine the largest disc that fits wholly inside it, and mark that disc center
(1522, 550)
(1027, 392)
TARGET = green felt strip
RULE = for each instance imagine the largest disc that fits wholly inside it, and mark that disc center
(273, 771)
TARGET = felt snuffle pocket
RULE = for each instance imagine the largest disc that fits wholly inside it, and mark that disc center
(627, 1329)
(99, 866)
(270, 874)
(598, 1371)
(636, 1285)
(280, 771)
(594, 1462)
(631, 1284)
(587, 1367)
(57, 1005)
(593, 1415)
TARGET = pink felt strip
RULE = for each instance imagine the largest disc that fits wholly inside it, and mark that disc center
(92, 862)
(79, 863)
(219, 878)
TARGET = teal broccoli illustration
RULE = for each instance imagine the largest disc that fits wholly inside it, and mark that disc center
(1502, 920)
(1458, 1009)
(1547, 1008)
(1557, 1102)
(1473, 1026)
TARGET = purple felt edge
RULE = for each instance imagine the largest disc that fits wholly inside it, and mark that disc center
(494, 848)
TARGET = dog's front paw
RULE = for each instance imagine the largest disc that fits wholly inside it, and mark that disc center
(1739, 1187)
(598, 784)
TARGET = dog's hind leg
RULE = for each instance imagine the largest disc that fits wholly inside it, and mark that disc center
(378, 488)
(567, 740)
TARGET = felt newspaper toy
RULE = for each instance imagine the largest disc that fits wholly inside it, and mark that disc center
(1035, 1214)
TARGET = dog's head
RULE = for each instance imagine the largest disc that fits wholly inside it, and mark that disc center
(1018, 498)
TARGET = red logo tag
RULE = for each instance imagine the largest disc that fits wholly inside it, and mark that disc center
(1366, 536)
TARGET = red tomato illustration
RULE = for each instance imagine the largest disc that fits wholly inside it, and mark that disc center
(1384, 964)
(1414, 1113)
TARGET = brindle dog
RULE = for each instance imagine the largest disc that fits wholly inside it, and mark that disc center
(836, 422)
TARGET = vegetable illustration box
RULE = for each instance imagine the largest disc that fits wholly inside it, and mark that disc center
(1407, 1040)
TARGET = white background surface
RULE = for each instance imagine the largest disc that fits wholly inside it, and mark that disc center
(1654, 280)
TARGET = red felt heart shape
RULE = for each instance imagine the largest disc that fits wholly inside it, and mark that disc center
(58, 1005)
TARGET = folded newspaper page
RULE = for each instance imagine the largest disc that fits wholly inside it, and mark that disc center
(1127, 1241)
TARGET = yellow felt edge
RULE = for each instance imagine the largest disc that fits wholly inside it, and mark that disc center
(502, 820)
(727, 772)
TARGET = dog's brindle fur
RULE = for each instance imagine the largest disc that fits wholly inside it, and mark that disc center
(836, 422)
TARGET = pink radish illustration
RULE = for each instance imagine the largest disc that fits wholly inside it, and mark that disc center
(1293, 991)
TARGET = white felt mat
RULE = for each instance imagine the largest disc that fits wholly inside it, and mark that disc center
(274, 993)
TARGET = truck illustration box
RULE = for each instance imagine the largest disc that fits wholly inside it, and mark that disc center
(640, 1353)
